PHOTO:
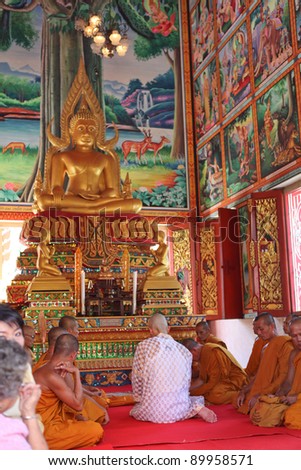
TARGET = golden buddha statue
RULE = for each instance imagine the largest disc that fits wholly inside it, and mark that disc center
(45, 251)
(85, 159)
(162, 266)
(158, 278)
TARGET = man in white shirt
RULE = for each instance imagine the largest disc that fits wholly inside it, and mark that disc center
(161, 378)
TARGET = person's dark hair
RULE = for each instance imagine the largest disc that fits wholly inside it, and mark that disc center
(13, 364)
(65, 345)
(267, 317)
(10, 316)
(295, 319)
(203, 323)
(190, 343)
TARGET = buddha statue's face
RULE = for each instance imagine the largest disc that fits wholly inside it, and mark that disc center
(85, 132)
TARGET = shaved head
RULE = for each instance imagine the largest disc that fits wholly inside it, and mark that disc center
(65, 345)
(190, 344)
(202, 330)
(287, 322)
(158, 324)
(70, 324)
(54, 333)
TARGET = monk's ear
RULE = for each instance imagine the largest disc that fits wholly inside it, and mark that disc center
(73, 355)
(168, 330)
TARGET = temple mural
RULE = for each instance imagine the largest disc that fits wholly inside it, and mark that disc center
(227, 13)
(202, 32)
(244, 66)
(234, 70)
(20, 96)
(206, 100)
(239, 149)
(246, 89)
(298, 21)
(137, 94)
(278, 125)
(211, 173)
(271, 37)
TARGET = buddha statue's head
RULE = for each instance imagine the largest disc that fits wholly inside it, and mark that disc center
(83, 125)
(82, 115)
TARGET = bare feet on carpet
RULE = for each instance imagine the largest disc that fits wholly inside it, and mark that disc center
(208, 415)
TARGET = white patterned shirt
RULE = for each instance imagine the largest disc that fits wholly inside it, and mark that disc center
(161, 378)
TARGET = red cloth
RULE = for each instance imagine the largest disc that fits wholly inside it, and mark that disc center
(232, 431)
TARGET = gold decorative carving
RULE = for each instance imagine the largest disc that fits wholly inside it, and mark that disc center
(182, 262)
(97, 245)
(268, 254)
(252, 254)
(126, 269)
(104, 363)
(250, 205)
(255, 303)
(209, 297)
(77, 278)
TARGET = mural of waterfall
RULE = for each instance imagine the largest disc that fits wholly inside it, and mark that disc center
(144, 103)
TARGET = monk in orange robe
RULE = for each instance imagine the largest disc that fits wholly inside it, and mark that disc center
(272, 368)
(70, 324)
(94, 405)
(220, 375)
(52, 336)
(290, 391)
(62, 430)
(255, 356)
(205, 336)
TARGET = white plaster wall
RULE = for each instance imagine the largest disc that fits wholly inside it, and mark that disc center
(238, 336)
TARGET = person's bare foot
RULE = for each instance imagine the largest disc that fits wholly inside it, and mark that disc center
(207, 415)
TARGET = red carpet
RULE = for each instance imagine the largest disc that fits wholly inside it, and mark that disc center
(232, 431)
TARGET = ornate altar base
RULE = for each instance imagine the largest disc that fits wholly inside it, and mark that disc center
(162, 294)
(46, 284)
(107, 344)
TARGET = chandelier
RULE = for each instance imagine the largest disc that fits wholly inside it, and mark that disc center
(107, 39)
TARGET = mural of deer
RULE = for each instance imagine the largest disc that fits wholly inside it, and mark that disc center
(12, 146)
(157, 146)
(137, 147)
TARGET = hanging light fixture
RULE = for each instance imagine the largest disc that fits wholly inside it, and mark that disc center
(109, 39)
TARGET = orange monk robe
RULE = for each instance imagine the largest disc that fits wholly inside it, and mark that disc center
(222, 375)
(292, 417)
(120, 399)
(61, 430)
(255, 357)
(272, 369)
(40, 362)
(212, 339)
(91, 409)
